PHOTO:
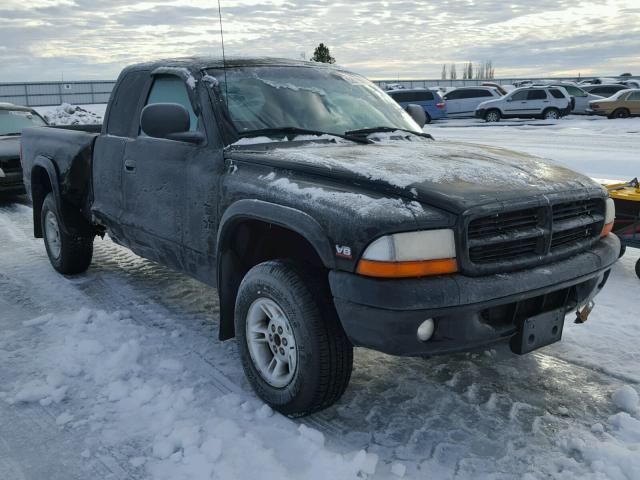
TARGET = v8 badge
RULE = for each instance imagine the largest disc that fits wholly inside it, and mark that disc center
(343, 251)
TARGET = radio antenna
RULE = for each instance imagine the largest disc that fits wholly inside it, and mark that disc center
(224, 60)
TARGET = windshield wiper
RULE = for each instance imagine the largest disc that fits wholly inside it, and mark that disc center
(367, 131)
(292, 131)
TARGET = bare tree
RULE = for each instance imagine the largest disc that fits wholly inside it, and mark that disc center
(452, 72)
(470, 70)
(443, 76)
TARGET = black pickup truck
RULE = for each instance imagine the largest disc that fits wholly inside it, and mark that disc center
(324, 216)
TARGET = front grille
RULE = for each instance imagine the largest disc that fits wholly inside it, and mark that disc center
(533, 233)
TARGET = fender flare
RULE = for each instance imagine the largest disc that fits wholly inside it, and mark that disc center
(290, 218)
(47, 164)
(295, 220)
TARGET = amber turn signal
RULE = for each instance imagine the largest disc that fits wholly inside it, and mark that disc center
(606, 230)
(423, 268)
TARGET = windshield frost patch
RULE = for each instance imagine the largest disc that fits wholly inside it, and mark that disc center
(291, 86)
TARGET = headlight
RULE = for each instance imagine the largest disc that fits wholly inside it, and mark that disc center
(410, 254)
(609, 217)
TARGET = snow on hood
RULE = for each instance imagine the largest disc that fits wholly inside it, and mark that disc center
(407, 163)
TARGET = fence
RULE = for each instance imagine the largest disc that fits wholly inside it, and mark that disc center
(41, 94)
(474, 82)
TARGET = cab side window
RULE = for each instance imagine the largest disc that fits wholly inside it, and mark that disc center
(537, 95)
(521, 95)
(171, 89)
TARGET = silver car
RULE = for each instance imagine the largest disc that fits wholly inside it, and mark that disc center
(581, 97)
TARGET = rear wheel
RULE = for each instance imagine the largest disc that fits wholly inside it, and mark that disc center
(68, 253)
(551, 114)
(492, 116)
(294, 352)
(428, 118)
(638, 268)
(620, 113)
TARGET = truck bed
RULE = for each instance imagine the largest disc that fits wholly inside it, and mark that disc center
(69, 149)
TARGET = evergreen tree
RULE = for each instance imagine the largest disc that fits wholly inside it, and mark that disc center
(453, 75)
(321, 54)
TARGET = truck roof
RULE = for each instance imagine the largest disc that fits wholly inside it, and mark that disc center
(202, 63)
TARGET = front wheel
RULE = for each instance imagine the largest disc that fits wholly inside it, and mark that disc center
(294, 352)
(551, 114)
(492, 116)
(68, 253)
(638, 268)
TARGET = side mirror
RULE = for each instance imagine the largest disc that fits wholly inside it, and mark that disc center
(168, 120)
(417, 113)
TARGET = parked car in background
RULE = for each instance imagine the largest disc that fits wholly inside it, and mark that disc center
(581, 98)
(630, 83)
(528, 102)
(498, 87)
(604, 90)
(433, 104)
(463, 101)
(13, 119)
(623, 104)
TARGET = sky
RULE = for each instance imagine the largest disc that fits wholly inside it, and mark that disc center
(89, 39)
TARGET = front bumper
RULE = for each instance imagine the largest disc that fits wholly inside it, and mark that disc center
(469, 312)
(480, 113)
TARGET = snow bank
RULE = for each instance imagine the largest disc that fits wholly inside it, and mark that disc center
(626, 398)
(149, 404)
(67, 114)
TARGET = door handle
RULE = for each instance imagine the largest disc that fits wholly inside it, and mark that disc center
(130, 165)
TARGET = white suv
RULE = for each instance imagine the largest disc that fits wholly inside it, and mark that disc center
(528, 102)
(463, 101)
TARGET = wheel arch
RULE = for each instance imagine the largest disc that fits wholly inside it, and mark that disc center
(296, 230)
(44, 180)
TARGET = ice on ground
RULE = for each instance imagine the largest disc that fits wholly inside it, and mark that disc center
(137, 399)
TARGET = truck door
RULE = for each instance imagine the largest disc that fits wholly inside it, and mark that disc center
(120, 128)
(154, 172)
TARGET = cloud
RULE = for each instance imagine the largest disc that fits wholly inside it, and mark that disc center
(83, 39)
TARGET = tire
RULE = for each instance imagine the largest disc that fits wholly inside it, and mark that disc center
(69, 254)
(280, 305)
(623, 250)
(428, 119)
(492, 116)
(620, 113)
(638, 268)
(551, 114)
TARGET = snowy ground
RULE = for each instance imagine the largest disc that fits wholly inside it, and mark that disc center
(118, 374)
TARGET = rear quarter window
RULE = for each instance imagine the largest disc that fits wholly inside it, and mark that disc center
(556, 93)
(124, 103)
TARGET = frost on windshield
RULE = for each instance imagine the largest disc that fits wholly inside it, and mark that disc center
(291, 86)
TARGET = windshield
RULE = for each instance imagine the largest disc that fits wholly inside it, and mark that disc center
(13, 121)
(316, 99)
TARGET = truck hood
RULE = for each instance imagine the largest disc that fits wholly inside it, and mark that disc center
(9, 147)
(450, 175)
